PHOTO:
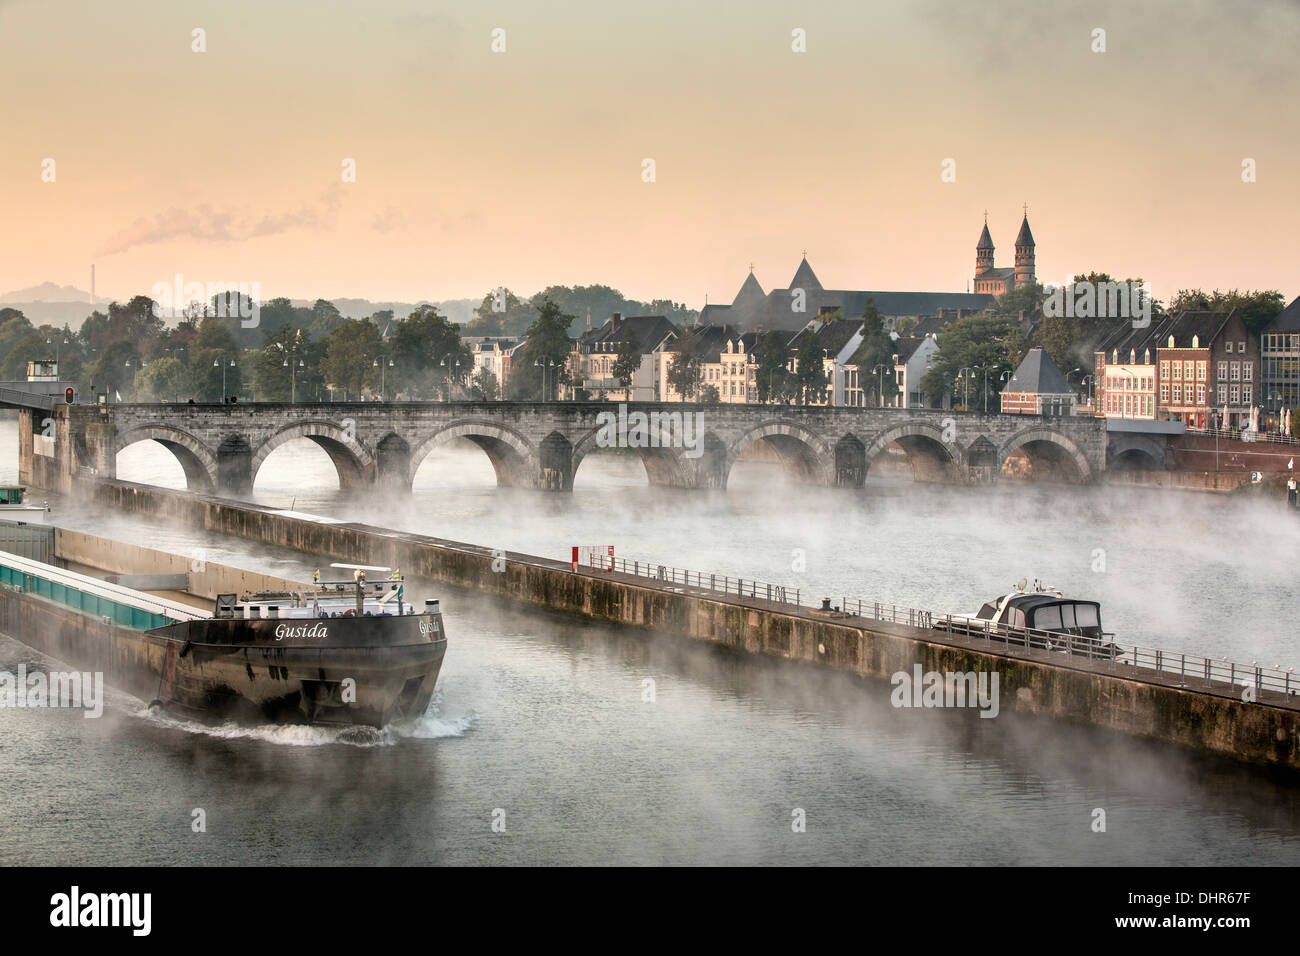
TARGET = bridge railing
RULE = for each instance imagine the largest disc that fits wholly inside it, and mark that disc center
(1190, 670)
(1272, 438)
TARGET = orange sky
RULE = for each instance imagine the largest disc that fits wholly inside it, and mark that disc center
(523, 168)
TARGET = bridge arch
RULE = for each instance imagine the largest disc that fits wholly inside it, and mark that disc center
(1135, 451)
(196, 459)
(1047, 447)
(804, 454)
(929, 449)
(664, 455)
(513, 456)
(352, 461)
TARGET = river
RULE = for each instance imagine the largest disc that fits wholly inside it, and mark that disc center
(542, 721)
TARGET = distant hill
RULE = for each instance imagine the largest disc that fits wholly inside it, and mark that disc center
(46, 292)
(59, 305)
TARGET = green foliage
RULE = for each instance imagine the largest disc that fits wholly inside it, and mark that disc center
(275, 379)
(162, 380)
(628, 359)
(810, 372)
(983, 342)
(875, 359)
(350, 353)
(115, 370)
(514, 319)
(1294, 415)
(428, 354)
(548, 343)
(685, 373)
(709, 395)
(484, 386)
(1258, 308)
(772, 378)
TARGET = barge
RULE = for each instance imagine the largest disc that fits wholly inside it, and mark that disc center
(349, 652)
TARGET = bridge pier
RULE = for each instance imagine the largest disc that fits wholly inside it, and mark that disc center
(234, 466)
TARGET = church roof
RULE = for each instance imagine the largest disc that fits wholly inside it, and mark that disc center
(750, 294)
(1038, 374)
(1288, 320)
(1025, 237)
(805, 278)
(986, 241)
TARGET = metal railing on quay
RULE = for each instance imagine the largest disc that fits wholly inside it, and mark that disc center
(1190, 670)
(1274, 438)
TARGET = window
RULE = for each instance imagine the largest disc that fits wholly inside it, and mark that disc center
(1164, 392)
(1178, 371)
(1236, 371)
(1187, 371)
(1200, 394)
(1223, 371)
(1178, 394)
(1200, 371)
(1164, 369)
(1246, 373)
(1227, 347)
(1241, 348)
(1048, 618)
(1223, 394)
(1085, 615)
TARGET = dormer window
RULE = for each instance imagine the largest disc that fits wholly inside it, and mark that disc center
(1146, 357)
(1171, 341)
(1114, 356)
(1196, 341)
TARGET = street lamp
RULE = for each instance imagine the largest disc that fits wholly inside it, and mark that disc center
(383, 369)
(293, 374)
(56, 348)
(880, 388)
(961, 373)
(447, 364)
(549, 363)
(218, 363)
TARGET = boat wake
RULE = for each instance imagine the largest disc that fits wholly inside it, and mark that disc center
(430, 726)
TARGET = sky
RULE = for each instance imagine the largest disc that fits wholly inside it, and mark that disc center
(525, 168)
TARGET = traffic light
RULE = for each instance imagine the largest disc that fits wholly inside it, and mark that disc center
(68, 395)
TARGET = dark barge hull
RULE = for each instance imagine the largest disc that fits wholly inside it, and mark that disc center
(355, 670)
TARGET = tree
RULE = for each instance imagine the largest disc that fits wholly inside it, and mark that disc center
(512, 318)
(350, 353)
(628, 360)
(980, 341)
(115, 370)
(771, 377)
(685, 373)
(162, 380)
(483, 386)
(288, 365)
(877, 349)
(810, 372)
(1258, 308)
(427, 353)
(546, 342)
(709, 395)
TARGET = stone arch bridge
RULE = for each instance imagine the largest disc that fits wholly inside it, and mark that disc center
(542, 445)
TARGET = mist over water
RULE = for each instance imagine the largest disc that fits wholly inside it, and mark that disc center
(542, 715)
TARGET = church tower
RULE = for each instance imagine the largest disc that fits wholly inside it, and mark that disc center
(984, 251)
(1025, 254)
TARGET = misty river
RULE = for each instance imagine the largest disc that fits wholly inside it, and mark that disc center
(541, 717)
